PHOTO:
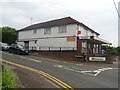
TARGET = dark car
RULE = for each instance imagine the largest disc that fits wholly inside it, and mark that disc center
(18, 49)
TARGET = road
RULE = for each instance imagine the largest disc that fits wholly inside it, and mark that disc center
(76, 76)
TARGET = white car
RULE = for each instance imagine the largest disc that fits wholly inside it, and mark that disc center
(4, 46)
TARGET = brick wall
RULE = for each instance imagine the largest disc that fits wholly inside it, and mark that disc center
(65, 55)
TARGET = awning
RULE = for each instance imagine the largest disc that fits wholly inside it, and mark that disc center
(94, 39)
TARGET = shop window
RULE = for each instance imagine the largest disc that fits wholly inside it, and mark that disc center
(84, 47)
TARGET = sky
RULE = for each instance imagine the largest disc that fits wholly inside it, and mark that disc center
(99, 15)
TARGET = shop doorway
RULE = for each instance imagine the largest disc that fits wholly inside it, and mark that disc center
(26, 44)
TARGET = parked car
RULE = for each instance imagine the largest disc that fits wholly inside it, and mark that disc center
(18, 49)
(0, 45)
(4, 46)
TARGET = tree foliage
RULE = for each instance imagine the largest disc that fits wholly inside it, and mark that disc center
(111, 50)
(9, 35)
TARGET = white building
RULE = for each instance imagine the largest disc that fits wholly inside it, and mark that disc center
(119, 24)
(60, 34)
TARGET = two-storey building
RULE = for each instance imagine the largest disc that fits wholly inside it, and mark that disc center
(65, 33)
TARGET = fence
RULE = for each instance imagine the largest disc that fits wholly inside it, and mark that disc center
(55, 49)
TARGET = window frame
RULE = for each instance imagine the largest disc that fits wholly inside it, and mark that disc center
(47, 30)
(34, 31)
(61, 30)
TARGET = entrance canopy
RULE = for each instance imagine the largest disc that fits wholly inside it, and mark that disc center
(91, 43)
(94, 39)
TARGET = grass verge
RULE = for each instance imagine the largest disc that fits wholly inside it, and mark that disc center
(8, 77)
(0, 76)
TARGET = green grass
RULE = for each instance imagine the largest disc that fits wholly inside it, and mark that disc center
(8, 78)
(0, 76)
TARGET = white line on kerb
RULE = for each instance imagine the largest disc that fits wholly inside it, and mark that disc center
(30, 59)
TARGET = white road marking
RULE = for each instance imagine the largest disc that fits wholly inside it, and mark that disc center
(98, 71)
(30, 59)
(7, 53)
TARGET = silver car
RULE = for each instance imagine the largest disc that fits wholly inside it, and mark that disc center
(4, 46)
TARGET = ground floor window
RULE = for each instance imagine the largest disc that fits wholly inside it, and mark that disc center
(84, 47)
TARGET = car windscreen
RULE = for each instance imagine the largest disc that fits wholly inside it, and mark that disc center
(20, 46)
(4, 44)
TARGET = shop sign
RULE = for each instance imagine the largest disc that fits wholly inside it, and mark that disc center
(97, 59)
(71, 39)
(79, 32)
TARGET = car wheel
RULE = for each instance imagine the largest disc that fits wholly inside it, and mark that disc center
(18, 52)
(12, 51)
(9, 51)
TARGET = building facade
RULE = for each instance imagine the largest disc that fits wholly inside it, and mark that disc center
(65, 34)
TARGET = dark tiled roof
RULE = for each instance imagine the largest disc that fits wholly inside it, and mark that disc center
(57, 22)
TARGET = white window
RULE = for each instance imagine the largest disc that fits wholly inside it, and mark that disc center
(35, 31)
(86, 32)
(47, 30)
(84, 47)
(62, 29)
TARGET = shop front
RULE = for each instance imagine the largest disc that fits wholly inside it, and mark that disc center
(92, 45)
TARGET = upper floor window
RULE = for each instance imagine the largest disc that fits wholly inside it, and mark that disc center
(86, 32)
(47, 30)
(62, 29)
(35, 31)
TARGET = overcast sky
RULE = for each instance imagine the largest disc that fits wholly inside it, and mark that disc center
(99, 15)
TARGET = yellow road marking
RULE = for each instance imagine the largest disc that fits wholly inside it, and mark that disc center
(77, 64)
(59, 82)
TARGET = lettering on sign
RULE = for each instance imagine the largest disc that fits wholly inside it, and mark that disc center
(71, 39)
(97, 59)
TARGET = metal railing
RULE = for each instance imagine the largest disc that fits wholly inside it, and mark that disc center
(44, 48)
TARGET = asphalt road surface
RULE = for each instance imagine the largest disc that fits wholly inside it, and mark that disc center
(73, 75)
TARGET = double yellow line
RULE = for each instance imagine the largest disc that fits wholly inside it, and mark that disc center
(59, 82)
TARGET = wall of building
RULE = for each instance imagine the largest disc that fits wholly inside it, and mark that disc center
(21, 43)
(71, 31)
(54, 39)
(86, 32)
(54, 43)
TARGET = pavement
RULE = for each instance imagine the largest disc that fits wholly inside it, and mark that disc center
(64, 73)
(29, 79)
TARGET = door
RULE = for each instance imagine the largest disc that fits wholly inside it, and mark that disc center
(26, 45)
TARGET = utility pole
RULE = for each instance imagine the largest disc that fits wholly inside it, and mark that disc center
(116, 8)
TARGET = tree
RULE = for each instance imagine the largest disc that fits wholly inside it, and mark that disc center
(118, 48)
(111, 50)
(9, 35)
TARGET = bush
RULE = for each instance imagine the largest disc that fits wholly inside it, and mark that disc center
(8, 78)
(112, 50)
